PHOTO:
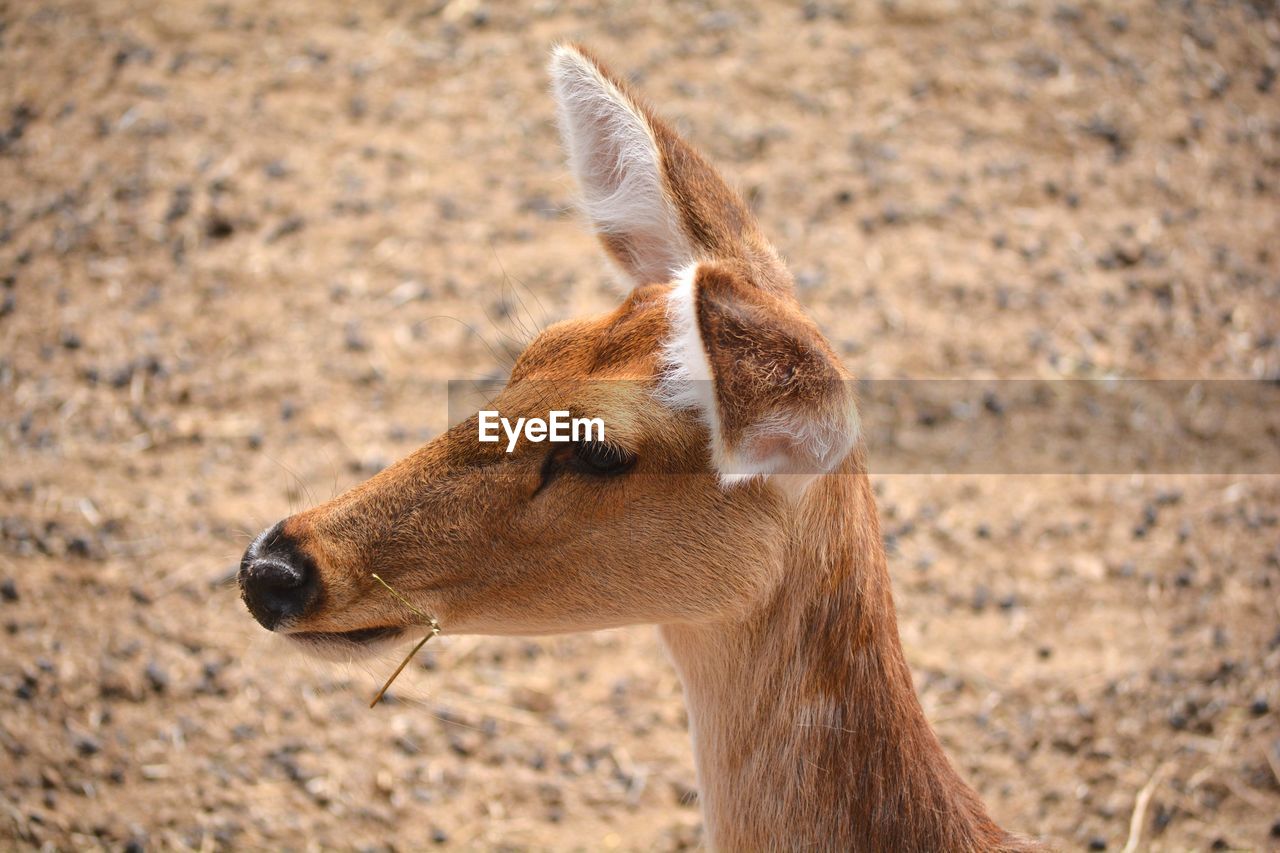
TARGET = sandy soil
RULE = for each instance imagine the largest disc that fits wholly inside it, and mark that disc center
(244, 244)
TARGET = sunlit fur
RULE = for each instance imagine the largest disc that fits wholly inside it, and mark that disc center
(774, 600)
(615, 159)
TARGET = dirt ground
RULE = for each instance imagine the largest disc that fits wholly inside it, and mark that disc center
(245, 244)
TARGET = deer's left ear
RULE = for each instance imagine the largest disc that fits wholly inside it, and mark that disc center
(655, 204)
(772, 393)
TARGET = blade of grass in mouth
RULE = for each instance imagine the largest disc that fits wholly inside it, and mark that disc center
(431, 623)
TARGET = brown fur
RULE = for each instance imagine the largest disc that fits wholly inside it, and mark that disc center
(777, 608)
(763, 352)
(812, 736)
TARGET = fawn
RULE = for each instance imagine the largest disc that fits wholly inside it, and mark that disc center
(729, 505)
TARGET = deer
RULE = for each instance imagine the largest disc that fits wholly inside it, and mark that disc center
(730, 505)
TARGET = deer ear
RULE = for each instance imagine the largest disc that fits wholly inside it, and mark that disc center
(655, 204)
(773, 395)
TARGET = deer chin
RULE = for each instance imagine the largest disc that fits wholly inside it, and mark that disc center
(348, 645)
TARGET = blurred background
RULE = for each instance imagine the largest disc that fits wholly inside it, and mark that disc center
(244, 245)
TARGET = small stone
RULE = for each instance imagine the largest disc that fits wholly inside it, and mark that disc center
(685, 795)
(79, 546)
(179, 204)
(219, 227)
(157, 677)
(353, 338)
(87, 745)
(408, 745)
(8, 590)
(980, 599)
(291, 225)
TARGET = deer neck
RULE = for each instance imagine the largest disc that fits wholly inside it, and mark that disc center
(805, 723)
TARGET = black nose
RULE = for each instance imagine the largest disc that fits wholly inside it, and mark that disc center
(278, 580)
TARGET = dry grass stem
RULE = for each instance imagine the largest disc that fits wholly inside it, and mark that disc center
(429, 620)
(1140, 804)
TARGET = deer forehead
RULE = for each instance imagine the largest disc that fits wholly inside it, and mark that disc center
(624, 344)
(605, 366)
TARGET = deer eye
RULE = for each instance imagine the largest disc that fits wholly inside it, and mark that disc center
(601, 460)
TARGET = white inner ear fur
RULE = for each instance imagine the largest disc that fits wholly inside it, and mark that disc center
(615, 159)
(686, 382)
(790, 448)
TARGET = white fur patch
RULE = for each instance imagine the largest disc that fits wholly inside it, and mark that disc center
(617, 163)
(686, 382)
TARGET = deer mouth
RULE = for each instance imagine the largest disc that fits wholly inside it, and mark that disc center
(348, 642)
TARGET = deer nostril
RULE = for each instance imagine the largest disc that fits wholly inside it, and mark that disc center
(274, 576)
(277, 580)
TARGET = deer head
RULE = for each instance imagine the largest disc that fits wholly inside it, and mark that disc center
(722, 400)
(707, 509)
